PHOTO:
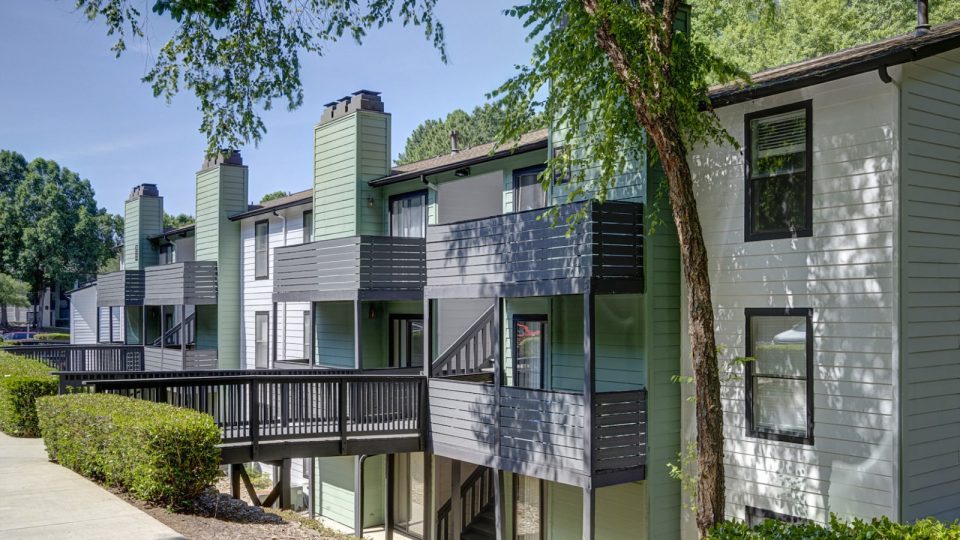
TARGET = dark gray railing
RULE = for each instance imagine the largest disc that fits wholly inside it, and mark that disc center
(185, 283)
(475, 494)
(121, 288)
(261, 408)
(84, 358)
(522, 254)
(341, 266)
(472, 351)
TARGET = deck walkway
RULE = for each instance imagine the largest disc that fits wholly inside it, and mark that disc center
(39, 499)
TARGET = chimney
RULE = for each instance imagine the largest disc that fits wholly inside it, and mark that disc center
(142, 218)
(226, 156)
(361, 100)
(923, 19)
(454, 142)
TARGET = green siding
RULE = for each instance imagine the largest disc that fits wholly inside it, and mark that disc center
(207, 327)
(620, 350)
(617, 516)
(222, 192)
(629, 185)
(348, 152)
(142, 217)
(662, 315)
(333, 334)
(336, 496)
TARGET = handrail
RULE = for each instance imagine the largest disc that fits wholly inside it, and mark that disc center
(83, 358)
(189, 381)
(480, 482)
(173, 331)
(461, 358)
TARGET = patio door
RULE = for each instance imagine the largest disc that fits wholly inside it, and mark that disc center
(529, 350)
(408, 501)
(528, 508)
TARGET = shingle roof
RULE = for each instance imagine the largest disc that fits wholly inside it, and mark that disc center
(532, 140)
(294, 199)
(845, 63)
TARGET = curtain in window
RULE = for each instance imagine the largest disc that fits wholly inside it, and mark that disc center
(261, 337)
(307, 226)
(261, 261)
(778, 172)
(529, 192)
(408, 217)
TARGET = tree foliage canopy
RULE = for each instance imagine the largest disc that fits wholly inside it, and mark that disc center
(171, 221)
(51, 230)
(240, 56)
(13, 292)
(432, 137)
(272, 196)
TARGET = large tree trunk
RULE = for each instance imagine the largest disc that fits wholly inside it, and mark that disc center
(4, 322)
(693, 256)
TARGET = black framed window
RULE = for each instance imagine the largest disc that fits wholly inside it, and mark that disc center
(307, 226)
(778, 170)
(261, 246)
(779, 380)
(528, 514)
(167, 254)
(529, 333)
(528, 191)
(261, 331)
(408, 214)
(756, 516)
(406, 340)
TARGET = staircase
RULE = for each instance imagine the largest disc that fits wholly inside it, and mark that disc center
(483, 527)
(473, 352)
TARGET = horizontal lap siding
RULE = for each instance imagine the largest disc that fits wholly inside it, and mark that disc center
(930, 211)
(83, 316)
(462, 418)
(192, 283)
(121, 288)
(845, 273)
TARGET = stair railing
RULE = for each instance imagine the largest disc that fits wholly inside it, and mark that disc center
(168, 336)
(475, 494)
(472, 351)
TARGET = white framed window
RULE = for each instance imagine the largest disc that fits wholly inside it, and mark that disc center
(261, 233)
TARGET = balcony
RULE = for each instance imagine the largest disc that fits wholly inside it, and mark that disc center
(186, 283)
(121, 288)
(364, 267)
(178, 359)
(514, 255)
(555, 436)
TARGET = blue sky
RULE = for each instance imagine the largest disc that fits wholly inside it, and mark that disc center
(63, 96)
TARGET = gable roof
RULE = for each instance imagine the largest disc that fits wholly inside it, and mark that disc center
(294, 199)
(533, 140)
(848, 62)
(185, 229)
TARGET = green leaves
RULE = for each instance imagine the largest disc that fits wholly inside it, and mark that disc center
(239, 57)
(837, 529)
(13, 292)
(22, 381)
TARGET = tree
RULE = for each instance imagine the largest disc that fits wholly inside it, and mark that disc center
(621, 77)
(273, 196)
(59, 234)
(432, 137)
(171, 221)
(13, 293)
(742, 31)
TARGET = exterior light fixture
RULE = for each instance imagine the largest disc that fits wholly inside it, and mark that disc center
(460, 173)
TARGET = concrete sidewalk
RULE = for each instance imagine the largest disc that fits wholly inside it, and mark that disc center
(39, 499)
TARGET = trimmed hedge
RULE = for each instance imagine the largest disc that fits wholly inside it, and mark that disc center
(22, 381)
(877, 529)
(53, 336)
(157, 452)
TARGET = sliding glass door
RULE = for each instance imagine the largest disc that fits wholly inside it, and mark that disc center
(408, 501)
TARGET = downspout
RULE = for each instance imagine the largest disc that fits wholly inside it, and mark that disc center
(284, 219)
(358, 496)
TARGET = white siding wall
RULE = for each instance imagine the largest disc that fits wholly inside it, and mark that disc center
(257, 294)
(930, 211)
(845, 273)
(83, 316)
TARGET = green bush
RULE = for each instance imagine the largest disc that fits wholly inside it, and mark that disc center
(53, 336)
(877, 529)
(22, 381)
(157, 452)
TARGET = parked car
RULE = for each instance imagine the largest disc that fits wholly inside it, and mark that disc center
(19, 336)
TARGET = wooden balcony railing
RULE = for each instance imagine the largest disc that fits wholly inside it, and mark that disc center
(121, 288)
(84, 358)
(540, 432)
(186, 283)
(376, 267)
(522, 255)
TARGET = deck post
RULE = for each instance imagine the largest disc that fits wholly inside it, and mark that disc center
(285, 487)
(163, 332)
(428, 334)
(499, 501)
(276, 323)
(456, 504)
(497, 376)
(358, 496)
(589, 513)
(314, 484)
(589, 375)
(183, 331)
(388, 497)
(235, 480)
(357, 334)
(429, 511)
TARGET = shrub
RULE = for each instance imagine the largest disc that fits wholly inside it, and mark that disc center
(22, 381)
(157, 452)
(53, 336)
(877, 529)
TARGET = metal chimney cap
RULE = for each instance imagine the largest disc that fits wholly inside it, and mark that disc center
(143, 190)
(226, 156)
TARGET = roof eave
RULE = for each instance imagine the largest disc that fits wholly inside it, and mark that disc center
(270, 209)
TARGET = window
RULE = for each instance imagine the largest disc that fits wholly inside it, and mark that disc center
(779, 381)
(408, 502)
(756, 516)
(306, 467)
(167, 254)
(308, 337)
(529, 337)
(779, 186)
(408, 215)
(528, 508)
(261, 331)
(406, 340)
(307, 226)
(261, 232)
(528, 192)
